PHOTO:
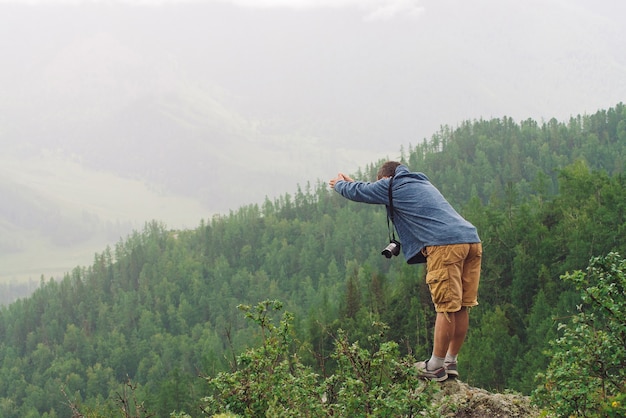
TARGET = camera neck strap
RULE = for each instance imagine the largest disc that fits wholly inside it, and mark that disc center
(390, 225)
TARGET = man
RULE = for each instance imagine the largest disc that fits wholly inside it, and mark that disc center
(430, 231)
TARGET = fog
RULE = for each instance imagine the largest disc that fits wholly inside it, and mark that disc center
(114, 113)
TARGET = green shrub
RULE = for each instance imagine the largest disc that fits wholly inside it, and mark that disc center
(271, 381)
(587, 373)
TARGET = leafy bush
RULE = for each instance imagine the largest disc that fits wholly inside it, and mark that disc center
(271, 380)
(587, 374)
(379, 383)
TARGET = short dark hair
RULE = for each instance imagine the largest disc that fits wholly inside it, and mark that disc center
(388, 169)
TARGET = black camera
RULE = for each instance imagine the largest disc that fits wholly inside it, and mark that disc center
(392, 249)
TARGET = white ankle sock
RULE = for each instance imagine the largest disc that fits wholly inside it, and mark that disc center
(450, 358)
(435, 363)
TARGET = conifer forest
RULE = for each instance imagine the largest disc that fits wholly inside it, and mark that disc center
(159, 310)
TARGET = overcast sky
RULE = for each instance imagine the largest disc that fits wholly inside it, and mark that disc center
(362, 77)
(395, 68)
(372, 8)
(224, 102)
(357, 78)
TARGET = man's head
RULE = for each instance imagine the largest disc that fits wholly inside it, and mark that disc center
(387, 170)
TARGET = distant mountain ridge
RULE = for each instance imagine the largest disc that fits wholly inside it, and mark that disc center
(160, 306)
(205, 107)
(61, 208)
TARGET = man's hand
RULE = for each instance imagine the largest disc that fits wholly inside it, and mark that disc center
(340, 176)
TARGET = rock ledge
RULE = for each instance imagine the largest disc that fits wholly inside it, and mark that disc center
(459, 400)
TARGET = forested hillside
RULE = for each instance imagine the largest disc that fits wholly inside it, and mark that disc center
(160, 308)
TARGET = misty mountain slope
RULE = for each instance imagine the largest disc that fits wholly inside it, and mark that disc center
(159, 308)
(180, 110)
(116, 110)
(56, 213)
(190, 145)
(26, 209)
(89, 172)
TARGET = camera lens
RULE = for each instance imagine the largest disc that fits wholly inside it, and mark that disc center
(392, 249)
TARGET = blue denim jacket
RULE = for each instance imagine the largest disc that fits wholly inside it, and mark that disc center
(422, 216)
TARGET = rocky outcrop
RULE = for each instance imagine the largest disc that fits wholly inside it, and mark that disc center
(459, 400)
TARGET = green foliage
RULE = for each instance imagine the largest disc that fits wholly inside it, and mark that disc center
(159, 306)
(486, 348)
(124, 405)
(376, 382)
(587, 373)
(271, 381)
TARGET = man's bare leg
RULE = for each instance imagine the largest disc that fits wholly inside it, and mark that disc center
(461, 325)
(450, 332)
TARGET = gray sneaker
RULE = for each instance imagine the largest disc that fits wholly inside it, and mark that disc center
(451, 369)
(438, 375)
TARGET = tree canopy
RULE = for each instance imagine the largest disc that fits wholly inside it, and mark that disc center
(160, 308)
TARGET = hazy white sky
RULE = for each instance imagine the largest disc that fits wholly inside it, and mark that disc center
(224, 102)
(384, 67)
(368, 75)
(373, 9)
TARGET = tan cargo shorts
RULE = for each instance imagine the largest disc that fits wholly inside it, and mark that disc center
(453, 274)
